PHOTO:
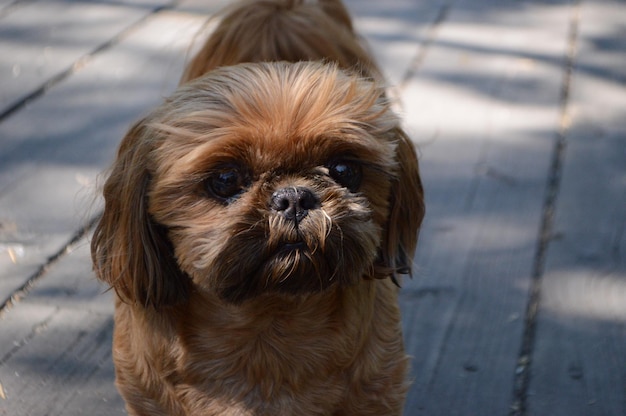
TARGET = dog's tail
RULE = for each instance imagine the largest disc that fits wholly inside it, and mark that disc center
(283, 30)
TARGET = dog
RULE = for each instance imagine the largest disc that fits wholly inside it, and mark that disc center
(255, 226)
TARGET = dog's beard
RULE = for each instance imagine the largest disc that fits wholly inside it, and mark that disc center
(252, 255)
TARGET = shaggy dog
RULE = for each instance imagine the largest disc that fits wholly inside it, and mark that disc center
(255, 224)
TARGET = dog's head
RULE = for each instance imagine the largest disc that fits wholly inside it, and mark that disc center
(258, 178)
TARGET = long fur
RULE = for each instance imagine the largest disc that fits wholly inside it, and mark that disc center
(283, 30)
(217, 313)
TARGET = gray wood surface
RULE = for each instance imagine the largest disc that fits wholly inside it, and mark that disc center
(518, 301)
(579, 364)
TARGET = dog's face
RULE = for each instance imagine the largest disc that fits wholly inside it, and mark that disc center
(259, 178)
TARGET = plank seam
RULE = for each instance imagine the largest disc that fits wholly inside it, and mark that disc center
(18, 345)
(431, 35)
(80, 62)
(22, 291)
(522, 378)
(9, 7)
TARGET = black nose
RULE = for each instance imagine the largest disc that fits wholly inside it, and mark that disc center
(294, 203)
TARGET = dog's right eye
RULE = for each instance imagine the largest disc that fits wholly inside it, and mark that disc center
(227, 182)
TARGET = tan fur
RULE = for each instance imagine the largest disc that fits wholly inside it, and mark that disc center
(226, 306)
(283, 30)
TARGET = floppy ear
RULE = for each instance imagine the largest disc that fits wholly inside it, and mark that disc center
(129, 250)
(406, 209)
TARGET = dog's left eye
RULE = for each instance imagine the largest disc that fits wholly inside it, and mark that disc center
(346, 173)
(227, 182)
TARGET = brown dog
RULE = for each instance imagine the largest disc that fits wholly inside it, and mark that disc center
(253, 227)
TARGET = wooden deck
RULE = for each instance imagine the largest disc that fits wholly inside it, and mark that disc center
(518, 304)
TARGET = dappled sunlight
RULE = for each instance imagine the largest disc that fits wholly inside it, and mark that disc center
(35, 48)
(499, 233)
(585, 293)
(486, 91)
(432, 105)
(82, 123)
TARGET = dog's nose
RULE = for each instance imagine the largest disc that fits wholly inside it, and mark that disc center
(294, 203)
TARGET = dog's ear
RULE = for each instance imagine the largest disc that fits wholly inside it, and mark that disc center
(129, 250)
(406, 209)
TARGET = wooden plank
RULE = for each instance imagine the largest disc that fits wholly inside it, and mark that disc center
(483, 107)
(50, 370)
(6, 6)
(395, 31)
(42, 39)
(71, 283)
(579, 360)
(48, 175)
(56, 345)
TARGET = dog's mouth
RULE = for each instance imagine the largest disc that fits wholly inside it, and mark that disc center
(291, 240)
(290, 266)
(290, 247)
(286, 259)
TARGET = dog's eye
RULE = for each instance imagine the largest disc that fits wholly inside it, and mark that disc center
(227, 182)
(346, 173)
